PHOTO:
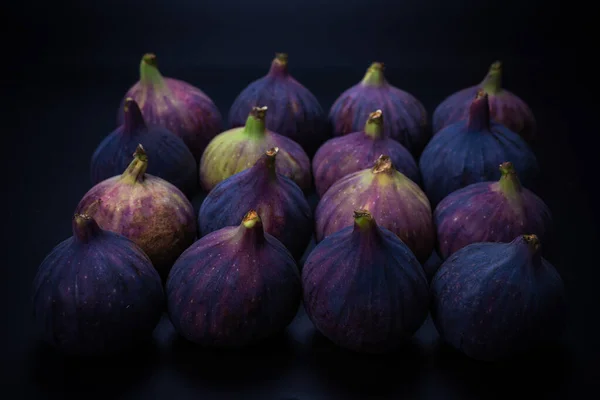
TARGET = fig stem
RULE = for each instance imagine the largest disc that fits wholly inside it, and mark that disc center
(374, 75)
(149, 73)
(509, 182)
(363, 219)
(279, 65)
(134, 120)
(251, 219)
(492, 83)
(85, 228)
(267, 161)
(374, 125)
(255, 124)
(383, 165)
(251, 230)
(136, 171)
(533, 242)
(479, 113)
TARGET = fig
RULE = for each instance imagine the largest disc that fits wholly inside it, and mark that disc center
(492, 301)
(364, 289)
(396, 203)
(506, 108)
(238, 149)
(405, 116)
(96, 292)
(171, 159)
(490, 212)
(146, 209)
(294, 111)
(285, 212)
(176, 105)
(356, 151)
(469, 151)
(234, 287)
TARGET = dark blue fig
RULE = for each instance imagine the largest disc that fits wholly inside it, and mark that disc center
(96, 292)
(171, 159)
(405, 116)
(356, 151)
(469, 151)
(285, 212)
(364, 289)
(490, 212)
(294, 111)
(234, 287)
(492, 301)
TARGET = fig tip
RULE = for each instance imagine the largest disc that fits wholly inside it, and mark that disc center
(362, 213)
(376, 115)
(281, 57)
(140, 152)
(533, 241)
(383, 164)
(272, 152)
(250, 219)
(259, 112)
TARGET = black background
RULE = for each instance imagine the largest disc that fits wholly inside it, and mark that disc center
(66, 67)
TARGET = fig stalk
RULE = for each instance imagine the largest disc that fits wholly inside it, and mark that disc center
(279, 66)
(85, 228)
(149, 73)
(492, 83)
(136, 170)
(255, 124)
(134, 121)
(374, 76)
(479, 113)
(534, 245)
(383, 165)
(374, 125)
(509, 181)
(268, 162)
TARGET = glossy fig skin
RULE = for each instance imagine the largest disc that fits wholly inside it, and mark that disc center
(490, 212)
(96, 293)
(234, 287)
(396, 203)
(470, 151)
(176, 105)
(238, 149)
(148, 210)
(294, 111)
(364, 289)
(506, 108)
(285, 212)
(171, 159)
(405, 116)
(356, 151)
(513, 301)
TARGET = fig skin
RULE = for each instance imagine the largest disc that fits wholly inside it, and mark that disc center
(506, 108)
(470, 151)
(238, 149)
(234, 287)
(171, 159)
(364, 289)
(294, 111)
(96, 293)
(146, 209)
(405, 117)
(176, 105)
(490, 212)
(492, 301)
(356, 151)
(396, 203)
(285, 211)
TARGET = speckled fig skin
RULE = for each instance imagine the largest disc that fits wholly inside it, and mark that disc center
(492, 301)
(294, 111)
(506, 108)
(405, 117)
(148, 210)
(396, 203)
(470, 151)
(96, 293)
(234, 287)
(171, 159)
(490, 212)
(238, 149)
(364, 289)
(356, 151)
(285, 212)
(176, 105)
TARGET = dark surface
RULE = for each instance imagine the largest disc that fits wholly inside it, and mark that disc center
(70, 68)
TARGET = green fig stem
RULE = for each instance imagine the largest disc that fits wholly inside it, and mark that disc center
(149, 73)
(383, 165)
(509, 181)
(492, 83)
(374, 125)
(267, 162)
(255, 124)
(252, 231)
(85, 228)
(279, 65)
(363, 220)
(134, 120)
(479, 113)
(533, 242)
(374, 76)
(136, 171)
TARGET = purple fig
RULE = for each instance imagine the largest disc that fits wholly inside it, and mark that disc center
(234, 287)
(364, 289)
(495, 300)
(469, 151)
(238, 149)
(96, 292)
(396, 202)
(176, 105)
(146, 209)
(171, 159)
(405, 116)
(285, 211)
(356, 151)
(294, 111)
(490, 212)
(505, 107)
